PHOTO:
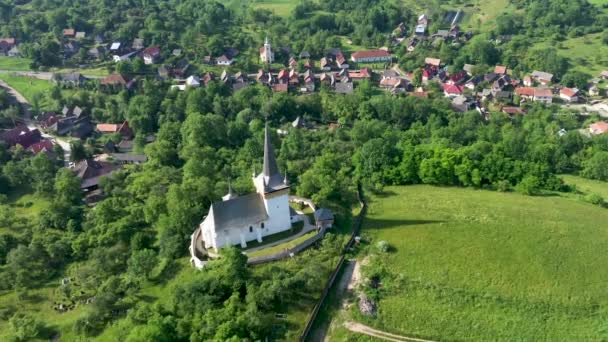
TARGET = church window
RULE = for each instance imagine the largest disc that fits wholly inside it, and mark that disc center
(250, 229)
(262, 225)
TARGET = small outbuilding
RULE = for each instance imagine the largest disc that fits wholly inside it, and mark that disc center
(324, 218)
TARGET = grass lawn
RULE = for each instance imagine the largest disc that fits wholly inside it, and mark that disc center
(478, 266)
(14, 64)
(281, 8)
(587, 53)
(280, 247)
(27, 86)
(587, 186)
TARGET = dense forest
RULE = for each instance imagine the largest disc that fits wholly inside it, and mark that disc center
(207, 137)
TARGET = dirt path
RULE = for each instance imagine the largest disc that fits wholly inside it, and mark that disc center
(18, 98)
(369, 331)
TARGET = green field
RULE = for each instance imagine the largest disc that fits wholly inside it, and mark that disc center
(281, 8)
(27, 86)
(587, 53)
(479, 265)
(14, 64)
(587, 186)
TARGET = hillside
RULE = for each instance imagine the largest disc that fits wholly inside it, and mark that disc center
(477, 265)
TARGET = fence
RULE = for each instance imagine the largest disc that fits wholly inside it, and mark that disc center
(356, 228)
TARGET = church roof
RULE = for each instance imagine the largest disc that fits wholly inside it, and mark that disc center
(273, 180)
(238, 212)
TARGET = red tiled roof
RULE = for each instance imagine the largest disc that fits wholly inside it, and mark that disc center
(432, 61)
(107, 128)
(543, 92)
(363, 73)
(280, 87)
(69, 32)
(452, 89)
(568, 92)
(152, 51)
(115, 79)
(524, 91)
(599, 127)
(499, 69)
(371, 54)
(43, 145)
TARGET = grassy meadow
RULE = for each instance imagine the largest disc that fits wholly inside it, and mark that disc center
(477, 265)
(14, 64)
(587, 53)
(281, 8)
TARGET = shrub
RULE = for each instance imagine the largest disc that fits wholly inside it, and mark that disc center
(529, 185)
(383, 246)
(595, 199)
(503, 185)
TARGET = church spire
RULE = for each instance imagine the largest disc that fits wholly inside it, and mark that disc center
(270, 163)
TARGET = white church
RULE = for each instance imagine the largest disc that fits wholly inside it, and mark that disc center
(240, 219)
(266, 54)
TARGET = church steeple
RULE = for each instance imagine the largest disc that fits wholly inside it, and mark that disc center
(270, 163)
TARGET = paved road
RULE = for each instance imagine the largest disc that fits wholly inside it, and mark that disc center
(369, 331)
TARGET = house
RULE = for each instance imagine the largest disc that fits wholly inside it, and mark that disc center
(500, 70)
(428, 73)
(468, 68)
(82, 128)
(241, 219)
(293, 77)
(423, 19)
(594, 90)
(371, 56)
(343, 87)
(176, 52)
(224, 60)
(6, 44)
(411, 46)
(513, 110)
(324, 218)
(324, 64)
(542, 77)
(473, 82)
(115, 47)
(526, 93)
(452, 90)
(436, 62)
(461, 104)
(90, 172)
(138, 44)
(304, 54)
(364, 73)
(193, 81)
(124, 57)
(123, 129)
(14, 52)
(341, 61)
(69, 33)
(208, 77)
(264, 77)
(604, 75)
(456, 78)
(151, 55)
(80, 35)
(420, 30)
(569, 94)
(70, 49)
(118, 80)
(280, 88)
(544, 95)
(292, 63)
(309, 81)
(266, 54)
(21, 135)
(528, 81)
(600, 127)
(72, 79)
(95, 52)
(181, 68)
(43, 146)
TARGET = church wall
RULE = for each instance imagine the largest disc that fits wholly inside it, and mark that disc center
(279, 218)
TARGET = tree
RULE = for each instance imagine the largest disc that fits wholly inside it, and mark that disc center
(77, 151)
(576, 79)
(142, 262)
(67, 187)
(596, 167)
(25, 327)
